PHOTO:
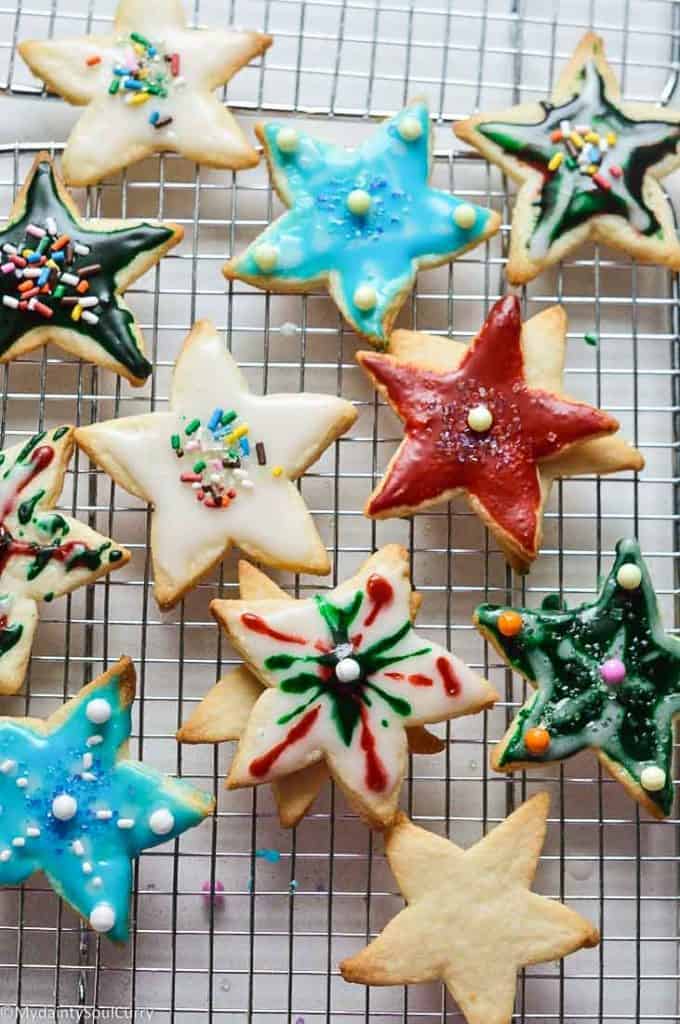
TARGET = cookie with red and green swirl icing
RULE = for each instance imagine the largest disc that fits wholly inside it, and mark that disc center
(589, 166)
(607, 678)
(345, 675)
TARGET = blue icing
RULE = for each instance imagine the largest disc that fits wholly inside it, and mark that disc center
(52, 762)
(409, 224)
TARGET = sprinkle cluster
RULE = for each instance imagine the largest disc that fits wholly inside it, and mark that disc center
(143, 74)
(585, 149)
(222, 452)
(49, 268)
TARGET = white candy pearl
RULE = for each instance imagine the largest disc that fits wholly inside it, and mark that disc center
(348, 670)
(365, 297)
(479, 418)
(629, 576)
(410, 128)
(653, 778)
(64, 807)
(287, 140)
(465, 216)
(359, 202)
(266, 257)
(103, 917)
(161, 822)
(98, 711)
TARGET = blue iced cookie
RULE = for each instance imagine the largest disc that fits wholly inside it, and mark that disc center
(76, 807)
(360, 222)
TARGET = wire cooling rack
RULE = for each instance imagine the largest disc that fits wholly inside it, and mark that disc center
(268, 952)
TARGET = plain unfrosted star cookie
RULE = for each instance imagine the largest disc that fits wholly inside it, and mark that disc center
(589, 166)
(62, 276)
(149, 87)
(606, 678)
(223, 714)
(360, 222)
(75, 806)
(491, 422)
(219, 467)
(472, 921)
(345, 675)
(43, 553)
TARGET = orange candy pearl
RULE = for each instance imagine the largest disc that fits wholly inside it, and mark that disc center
(537, 741)
(509, 623)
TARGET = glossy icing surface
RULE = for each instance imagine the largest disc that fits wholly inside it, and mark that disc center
(593, 158)
(72, 808)
(348, 673)
(498, 466)
(74, 264)
(562, 652)
(218, 466)
(371, 257)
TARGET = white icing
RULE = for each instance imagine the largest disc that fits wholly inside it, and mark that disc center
(302, 619)
(111, 132)
(186, 537)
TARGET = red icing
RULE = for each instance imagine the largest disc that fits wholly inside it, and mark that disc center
(380, 594)
(395, 675)
(55, 552)
(40, 460)
(376, 776)
(452, 684)
(257, 625)
(418, 680)
(499, 467)
(261, 766)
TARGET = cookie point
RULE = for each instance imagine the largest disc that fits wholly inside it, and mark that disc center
(102, 917)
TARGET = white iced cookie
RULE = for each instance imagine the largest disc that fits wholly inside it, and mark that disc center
(218, 467)
(149, 87)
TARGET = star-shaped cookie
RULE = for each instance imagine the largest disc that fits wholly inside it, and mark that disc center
(471, 920)
(606, 678)
(589, 167)
(346, 674)
(76, 807)
(219, 467)
(490, 421)
(149, 86)
(62, 276)
(360, 222)
(224, 712)
(43, 554)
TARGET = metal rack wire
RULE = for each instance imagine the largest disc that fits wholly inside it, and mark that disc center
(269, 954)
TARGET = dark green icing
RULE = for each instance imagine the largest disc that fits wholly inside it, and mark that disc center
(112, 250)
(345, 697)
(561, 652)
(568, 197)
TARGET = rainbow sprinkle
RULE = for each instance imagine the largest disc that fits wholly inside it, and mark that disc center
(220, 451)
(586, 149)
(44, 270)
(143, 74)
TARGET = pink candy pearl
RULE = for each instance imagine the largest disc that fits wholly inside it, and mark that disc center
(613, 671)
